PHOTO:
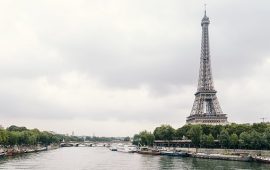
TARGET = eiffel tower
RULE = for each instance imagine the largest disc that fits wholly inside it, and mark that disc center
(206, 108)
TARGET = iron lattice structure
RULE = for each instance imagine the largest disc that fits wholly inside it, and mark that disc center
(206, 108)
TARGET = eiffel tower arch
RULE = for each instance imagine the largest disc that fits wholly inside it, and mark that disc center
(206, 108)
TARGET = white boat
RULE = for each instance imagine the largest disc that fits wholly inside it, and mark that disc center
(2, 152)
(113, 148)
(126, 148)
(81, 145)
(100, 145)
(133, 148)
(29, 151)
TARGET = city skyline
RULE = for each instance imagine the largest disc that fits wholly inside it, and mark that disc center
(116, 68)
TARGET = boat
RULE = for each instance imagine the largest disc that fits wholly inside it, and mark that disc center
(262, 159)
(12, 152)
(41, 149)
(113, 148)
(66, 145)
(174, 153)
(148, 151)
(2, 153)
(222, 157)
(100, 145)
(126, 148)
(29, 151)
(82, 145)
(89, 144)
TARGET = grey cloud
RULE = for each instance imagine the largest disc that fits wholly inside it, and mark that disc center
(124, 46)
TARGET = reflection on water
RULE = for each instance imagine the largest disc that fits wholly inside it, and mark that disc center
(84, 158)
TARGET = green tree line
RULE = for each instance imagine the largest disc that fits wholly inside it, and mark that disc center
(15, 135)
(235, 136)
(102, 139)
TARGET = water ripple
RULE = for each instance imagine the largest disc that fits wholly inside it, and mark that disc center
(87, 158)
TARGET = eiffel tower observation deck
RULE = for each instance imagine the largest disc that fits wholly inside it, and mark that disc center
(206, 108)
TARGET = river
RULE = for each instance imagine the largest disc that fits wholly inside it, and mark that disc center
(99, 158)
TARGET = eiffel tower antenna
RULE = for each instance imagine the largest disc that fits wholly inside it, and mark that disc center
(206, 108)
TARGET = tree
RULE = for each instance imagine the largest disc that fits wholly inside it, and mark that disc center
(165, 132)
(210, 141)
(206, 129)
(244, 140)
(127, 139)
(44, 138)
(234, 141)
(195, 134)
(207, 141)
(136, 139)
(246, 136)
(16, 128)
(259, 127)
(266, 135)
(12, 138)
(216, 130)
(238, 128)
(204, 141)
(147, 138)
(3, 137)
(224, 138)
(183, 131)
(257, 140)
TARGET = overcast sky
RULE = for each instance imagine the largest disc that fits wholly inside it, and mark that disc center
(114, 68)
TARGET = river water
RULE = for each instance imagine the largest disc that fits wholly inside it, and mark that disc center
(99, 158)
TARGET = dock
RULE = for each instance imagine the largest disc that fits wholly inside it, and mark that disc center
(261, 159)
(222, 157)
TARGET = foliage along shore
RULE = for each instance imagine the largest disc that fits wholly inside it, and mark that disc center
(21, 136)
(16, 140)
(232, 136)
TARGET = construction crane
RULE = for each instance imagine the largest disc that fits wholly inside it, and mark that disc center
(263, 118)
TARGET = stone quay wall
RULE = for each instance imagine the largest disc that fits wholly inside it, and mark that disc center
(265, 153)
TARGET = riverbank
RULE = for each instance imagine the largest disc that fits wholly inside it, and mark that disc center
(17, 150)
(262, 156)
(263, 153)
(243, 158)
